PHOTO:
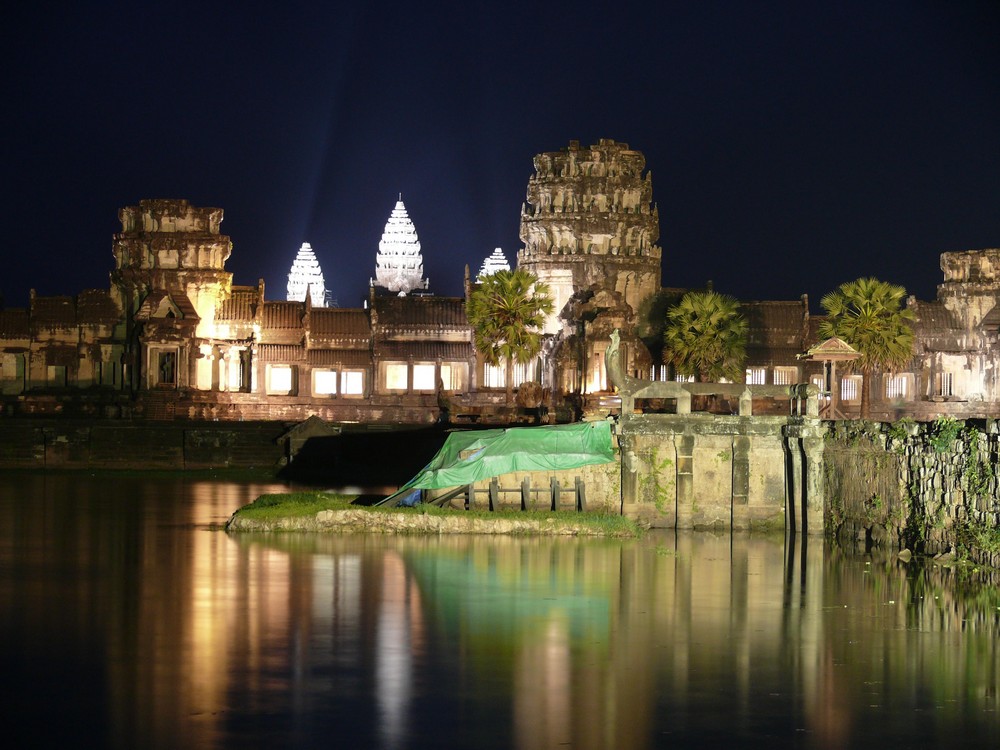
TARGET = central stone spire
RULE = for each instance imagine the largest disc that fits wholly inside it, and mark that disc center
(399, 267)
(306, 277)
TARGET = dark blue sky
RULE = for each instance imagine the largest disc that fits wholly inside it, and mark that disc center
(793, 146)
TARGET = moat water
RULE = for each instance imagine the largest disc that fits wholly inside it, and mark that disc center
(127, 619)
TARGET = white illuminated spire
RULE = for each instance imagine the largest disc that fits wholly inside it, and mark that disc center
(399, 267)
(306, 275)
(493, 263)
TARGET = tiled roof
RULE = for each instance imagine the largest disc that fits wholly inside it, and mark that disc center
(53, 311)
(332, 321)
(776, 324)
(241, 305)
(280, 353)
(934, 317)
(14, 324)
(180, 300)
(345, 357)
(401, 350)
(282, 315)
(413, 312)
(95, 307)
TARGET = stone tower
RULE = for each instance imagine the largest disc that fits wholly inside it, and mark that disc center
(589, 224)
(493, 263)
(306, 277)
(168, 280)
(399, 266)
(589, 231)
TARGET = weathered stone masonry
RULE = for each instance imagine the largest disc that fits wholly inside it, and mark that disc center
(914, 485)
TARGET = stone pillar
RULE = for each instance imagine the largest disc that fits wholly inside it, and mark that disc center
(683, 402)
(794, 508)
(741, 470)
(746, 403)
(814, 483)
(629, 483)
(684, 445)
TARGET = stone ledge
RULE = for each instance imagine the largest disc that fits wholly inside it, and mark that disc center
(374, 522)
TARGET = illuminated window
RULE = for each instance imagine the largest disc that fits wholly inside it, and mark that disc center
(946, 384)
(524, 372)
(423, 377)
(352, 383)
(819, 381)
(396, 376)
(324, 382)
(899, 386)
(850, 389)
(494, 376)
(453, 376)
(756, 376)
(280, 379)
(786, 375)
(678, 378)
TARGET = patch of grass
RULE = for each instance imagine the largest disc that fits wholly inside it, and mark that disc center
(270, 507)
(273, 507)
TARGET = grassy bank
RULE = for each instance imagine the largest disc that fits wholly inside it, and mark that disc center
(267, 511)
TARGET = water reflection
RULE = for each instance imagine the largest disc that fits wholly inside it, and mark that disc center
(124, 615)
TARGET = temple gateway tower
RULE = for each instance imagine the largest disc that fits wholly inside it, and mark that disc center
(590, 231)
(399, 267)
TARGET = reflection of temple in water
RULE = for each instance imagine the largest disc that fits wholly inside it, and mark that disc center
(534, 642)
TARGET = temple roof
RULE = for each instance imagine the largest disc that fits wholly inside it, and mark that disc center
(334, 321)
(282, 315)
(241, 305)
(163, 304)
(96, 307)
(411, 312)
(14, 324)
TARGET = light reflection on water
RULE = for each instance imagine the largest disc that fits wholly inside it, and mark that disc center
(125, 616)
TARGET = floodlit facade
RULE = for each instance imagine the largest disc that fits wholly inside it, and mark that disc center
(174, 338)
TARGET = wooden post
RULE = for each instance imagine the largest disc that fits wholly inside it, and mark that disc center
(494, 494)
(554, 486)
(581, 495)
(525, 493)
(470, 498)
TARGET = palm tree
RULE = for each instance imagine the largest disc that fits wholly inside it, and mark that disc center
(507, 312)
(868, 315)
(705, 336)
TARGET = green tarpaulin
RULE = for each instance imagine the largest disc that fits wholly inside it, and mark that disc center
(468, 457)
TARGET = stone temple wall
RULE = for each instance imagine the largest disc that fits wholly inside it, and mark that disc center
(704, 471)
(928, 487)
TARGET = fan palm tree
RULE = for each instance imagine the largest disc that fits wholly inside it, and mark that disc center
(507, 313)
(868, 315)
(705, 336)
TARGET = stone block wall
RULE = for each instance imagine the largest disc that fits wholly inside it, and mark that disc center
(81, 444)
(926, 486)
(704, 470)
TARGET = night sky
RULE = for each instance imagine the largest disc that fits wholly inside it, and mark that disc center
(793, 146)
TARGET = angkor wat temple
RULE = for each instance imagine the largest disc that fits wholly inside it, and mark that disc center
(174, 338)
